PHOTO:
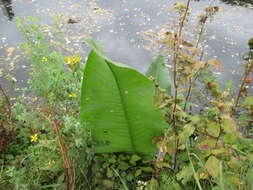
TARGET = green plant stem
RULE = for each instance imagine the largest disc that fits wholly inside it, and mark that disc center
(175, 60)
(245, 76)
(122, 181)
(221, 177)
(192, 167)
(187, 98)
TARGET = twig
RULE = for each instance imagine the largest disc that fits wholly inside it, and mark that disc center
(245, 76)
(68, 167)
(7, 101)
(200, 34)
(175, 59)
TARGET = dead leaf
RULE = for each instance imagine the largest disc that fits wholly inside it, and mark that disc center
(248, 80)
(199, 65)
(195, 51)
(10, 50)
(215, 63)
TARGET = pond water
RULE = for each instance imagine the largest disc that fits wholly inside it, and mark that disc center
(118, 24)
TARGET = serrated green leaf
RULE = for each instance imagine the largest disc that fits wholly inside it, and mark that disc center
(147, 169)
(212, 166)
(154, 185)
(134, 159)
(229, 138)
(213, 129)
(138, 172)
(185, 174)
(248, 102)
(186, 133)
(249, 178)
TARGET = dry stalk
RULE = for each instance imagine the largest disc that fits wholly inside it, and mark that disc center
(248, 70)
(68, 164)
(200, 34)
(175, 61)
(8, 103)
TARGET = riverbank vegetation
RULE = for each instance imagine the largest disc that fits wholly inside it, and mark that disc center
(95, 124)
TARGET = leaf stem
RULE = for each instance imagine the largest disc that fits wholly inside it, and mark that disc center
(175, 61)
(248, 70)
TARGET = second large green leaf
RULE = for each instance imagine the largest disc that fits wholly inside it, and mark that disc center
(117, 106)
(160, 72)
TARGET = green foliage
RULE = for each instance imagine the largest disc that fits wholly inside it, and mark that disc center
(160, 73)
(124, 116)
(126, 119)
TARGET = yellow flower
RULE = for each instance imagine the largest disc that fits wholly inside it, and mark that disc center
(76, 59)
(73, 95)
(68, 59)
(34, 138)
(45, 59)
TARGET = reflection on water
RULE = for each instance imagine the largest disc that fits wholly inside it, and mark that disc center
(238, 2)
(7, 8)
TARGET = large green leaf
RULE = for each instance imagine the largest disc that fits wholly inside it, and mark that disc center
(160, 72)
(117, 106)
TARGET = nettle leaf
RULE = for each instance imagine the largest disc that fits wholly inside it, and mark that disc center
(213, 129)
(160, 72)
(230, 138)
(134, 159)
(229, 125)
(212, 166)
(117, 106)
(185, 174)
(248, 102)
(186, 133)
(249, 178)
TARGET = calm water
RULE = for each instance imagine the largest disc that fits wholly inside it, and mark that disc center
(118, 24)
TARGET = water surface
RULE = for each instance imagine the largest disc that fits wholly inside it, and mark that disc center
(118, 24)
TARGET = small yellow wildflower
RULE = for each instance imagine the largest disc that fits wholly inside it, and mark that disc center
(73, 95)
(68, 59)
(76, 59)
(45, 59)
(34, 138)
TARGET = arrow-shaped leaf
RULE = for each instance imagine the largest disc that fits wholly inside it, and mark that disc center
(160, 72)
(117, 105)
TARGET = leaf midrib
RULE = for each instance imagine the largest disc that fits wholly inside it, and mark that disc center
(123, 107)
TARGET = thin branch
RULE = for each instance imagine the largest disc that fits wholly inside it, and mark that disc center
(175, 61)
(7, 101)
(68, 167)
(244, 79)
